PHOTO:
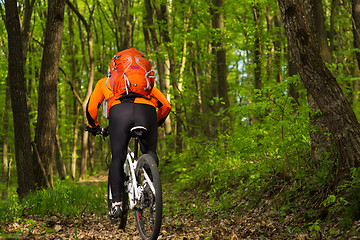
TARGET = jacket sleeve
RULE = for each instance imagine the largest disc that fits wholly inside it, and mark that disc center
(162, 104)
(94, 104)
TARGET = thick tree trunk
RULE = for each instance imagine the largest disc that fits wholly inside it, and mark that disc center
(45, 133)
(321, 142)
(317, 25)
(322, 85)
(24, 166)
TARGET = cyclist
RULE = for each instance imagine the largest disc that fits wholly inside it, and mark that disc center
(123, 114)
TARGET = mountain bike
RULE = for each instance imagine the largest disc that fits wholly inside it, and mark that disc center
(142, 189)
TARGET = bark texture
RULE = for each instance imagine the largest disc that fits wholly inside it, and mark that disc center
(45, 133)
(322, 85)
(24, 166)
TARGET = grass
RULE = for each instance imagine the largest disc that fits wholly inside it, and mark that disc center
(65, 199)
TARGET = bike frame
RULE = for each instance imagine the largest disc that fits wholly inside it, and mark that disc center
(131, 188)
(137, 197)
(130, 185)
(134, 193)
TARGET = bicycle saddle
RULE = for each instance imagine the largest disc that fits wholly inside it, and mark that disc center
(138, 131)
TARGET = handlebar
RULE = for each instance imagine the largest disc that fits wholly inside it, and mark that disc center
(103, 131)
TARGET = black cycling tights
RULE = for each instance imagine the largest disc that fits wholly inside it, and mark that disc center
(123, 117)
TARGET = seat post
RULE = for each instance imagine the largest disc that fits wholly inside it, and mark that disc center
(137, 132)
(136, 147)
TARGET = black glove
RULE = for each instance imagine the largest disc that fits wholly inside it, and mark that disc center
(94, 131)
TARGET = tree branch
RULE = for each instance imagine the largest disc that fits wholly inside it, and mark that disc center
(72, 87)
(41, 165)
(80, 16)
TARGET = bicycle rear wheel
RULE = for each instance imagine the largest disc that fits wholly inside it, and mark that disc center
(148, 214)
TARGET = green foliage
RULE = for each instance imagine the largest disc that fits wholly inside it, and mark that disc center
(243, 160)
(258, 147)
(9, 209)
(66, 198)
(346, 200)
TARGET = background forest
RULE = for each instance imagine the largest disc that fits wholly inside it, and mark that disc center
(245, 126)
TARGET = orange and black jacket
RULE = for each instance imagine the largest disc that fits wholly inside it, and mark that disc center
(101, 92)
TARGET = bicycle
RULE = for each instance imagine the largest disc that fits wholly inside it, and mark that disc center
(142, 189)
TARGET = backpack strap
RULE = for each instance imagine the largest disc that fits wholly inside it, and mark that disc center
(132, 95)
(127, 83)
(148, 85)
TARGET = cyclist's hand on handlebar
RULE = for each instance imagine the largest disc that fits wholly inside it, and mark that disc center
(105, 131)
(94, 131)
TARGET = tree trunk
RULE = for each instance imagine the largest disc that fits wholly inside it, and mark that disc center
(74, 151)
(274, 56)
(220, 52)
(321, 142)
(91, 75)
(149, 22)
(6, 161)
(128, 26)
(60, 166)
(170, 77)
(322, 85)
(45, 133)
(257, 50)
(197, 82)
(356, 27)
(292, 71)
(92, 150)
(26, 24)
(333, 12)
(24, 166)
(317, 26)
(5, 156)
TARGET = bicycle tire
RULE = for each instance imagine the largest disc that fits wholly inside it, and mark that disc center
(123, 218)
(148, 214)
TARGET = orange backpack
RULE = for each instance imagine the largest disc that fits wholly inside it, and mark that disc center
(130, 73)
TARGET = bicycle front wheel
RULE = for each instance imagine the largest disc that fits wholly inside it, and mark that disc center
(148, 214)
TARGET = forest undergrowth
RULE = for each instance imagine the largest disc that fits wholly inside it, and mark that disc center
(253, 181)
(261, 202)
(267, 169)
(77, 210)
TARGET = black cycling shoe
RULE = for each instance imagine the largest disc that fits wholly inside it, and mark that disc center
(116, 210)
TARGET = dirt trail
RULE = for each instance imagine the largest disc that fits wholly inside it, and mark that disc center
(180, 222)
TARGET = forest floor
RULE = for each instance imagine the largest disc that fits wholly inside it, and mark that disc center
(189, 219)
